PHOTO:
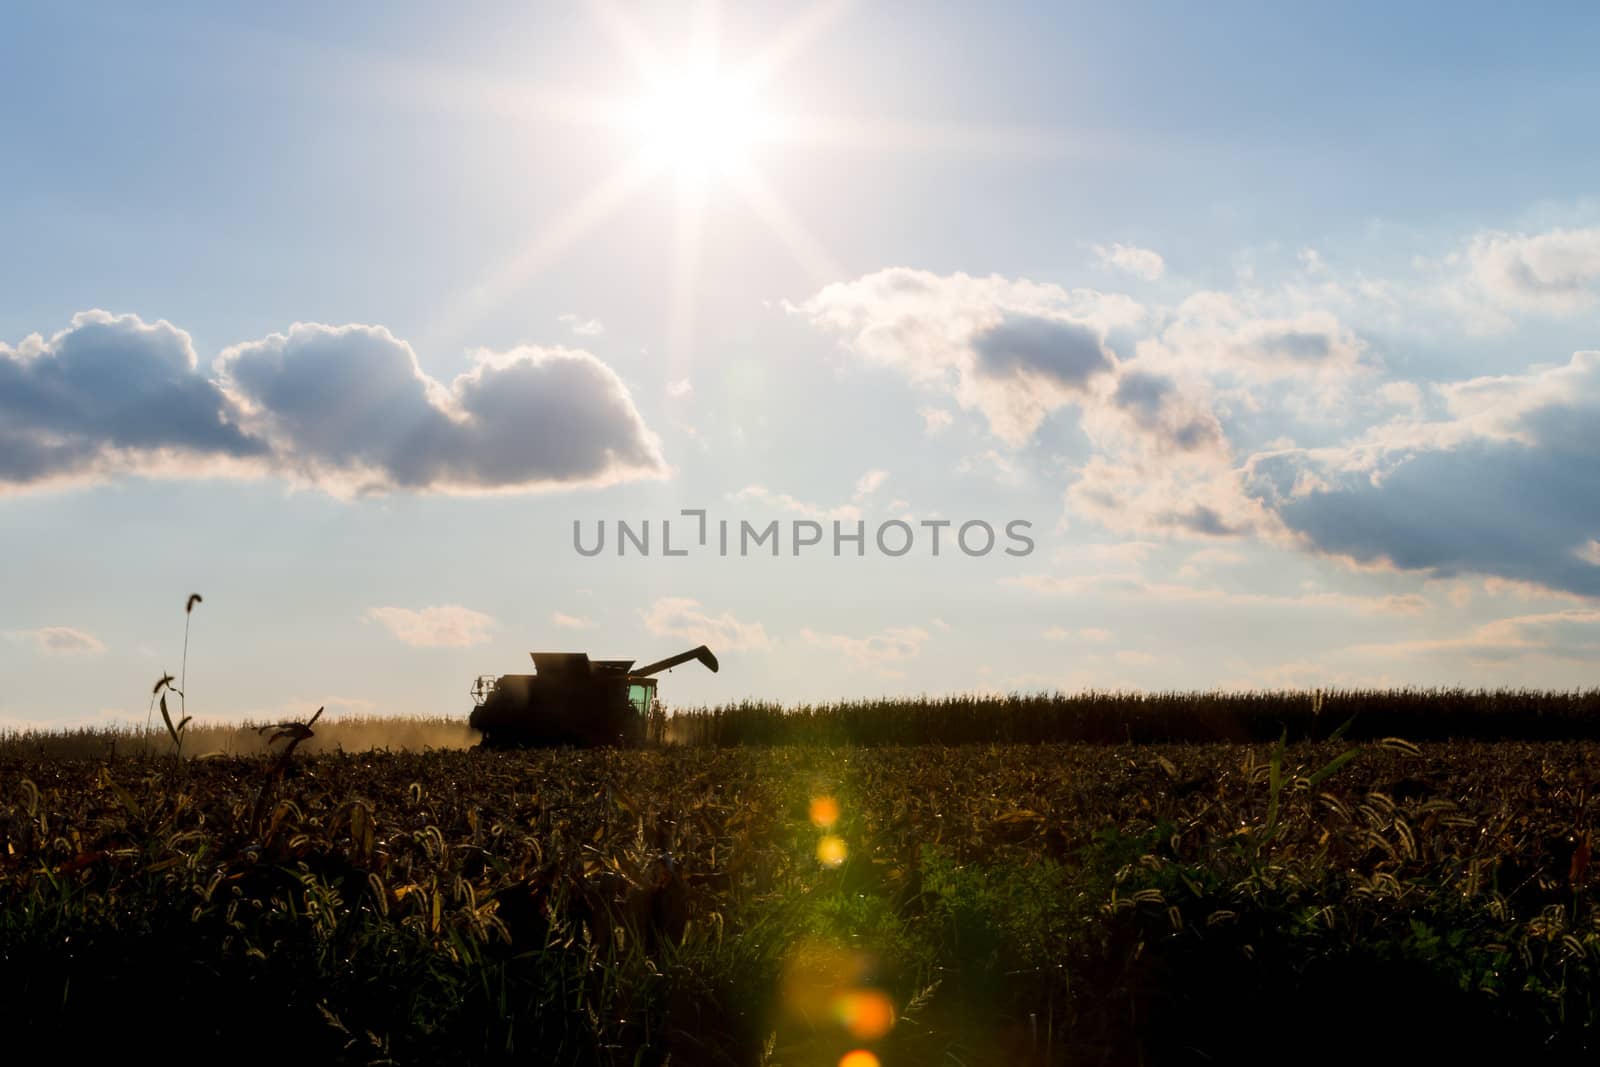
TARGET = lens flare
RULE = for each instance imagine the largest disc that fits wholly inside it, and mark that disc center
(824, 812)
(700, 120)
(815, 971)
(832, 851)
(868, 1014)
(859, 1058)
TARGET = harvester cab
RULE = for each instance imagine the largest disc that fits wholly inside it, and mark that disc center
(571, 699)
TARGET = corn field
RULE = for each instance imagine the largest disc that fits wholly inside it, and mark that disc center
(980, 904)
(1133, 717)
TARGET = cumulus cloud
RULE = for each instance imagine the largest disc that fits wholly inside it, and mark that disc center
(1165, 415)
(572, 622)
(1487, 477)
(683, 617)
(1200, 497)
(1140, 262)
(1505, 486)
(350, 405)
(1232, 338)
(1033, 348)
(345, 408)
(1557, 271)
(445, 626)
(1015, 351)
(111, 394)
(60, 640)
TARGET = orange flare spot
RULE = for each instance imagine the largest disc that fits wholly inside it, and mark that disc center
(867, 1013)
(859, 1058)
(832, 851)
(824, 811)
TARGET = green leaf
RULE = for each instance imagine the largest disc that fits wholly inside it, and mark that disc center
(1275, 782)
(1333, 766)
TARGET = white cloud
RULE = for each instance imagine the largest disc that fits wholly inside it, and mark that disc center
(572, 622)
(992, 464)
(1126, 553)
(1141, 498)
(1228, 337)
(583, 327)
(785, 502)
(875, 651)
(1089, 634)
(683, 617)
(1407, 395)
(1197, 563)
(1016, 351)
(349, 408)
(1563, 635)
(1302, 674)
(1129, 585)
(868, 484)
(680, 388)
(1140, 262)
(935, 420)
(345, 408)
(444, 626)
(1557, 271)
(110, 395)
(1455, 495)
(1013, 350)
(60, 640)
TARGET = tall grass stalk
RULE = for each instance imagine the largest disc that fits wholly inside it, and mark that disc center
(183, 670)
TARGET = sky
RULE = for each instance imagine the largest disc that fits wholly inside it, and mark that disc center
(1262, 339)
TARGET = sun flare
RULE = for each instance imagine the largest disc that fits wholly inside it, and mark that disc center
(700, 121)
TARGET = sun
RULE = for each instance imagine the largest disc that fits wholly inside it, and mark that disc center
(700, 121)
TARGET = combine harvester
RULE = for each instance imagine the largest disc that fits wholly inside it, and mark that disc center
(572, 700)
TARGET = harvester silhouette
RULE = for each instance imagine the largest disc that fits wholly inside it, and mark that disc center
(572, 700)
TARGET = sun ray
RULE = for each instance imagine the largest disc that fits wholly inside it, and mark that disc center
(480, 95)
(790, 40)
(701, 122)
(626, 35)
(772, 210)
(516, 271)
(685, 274)
(705, 40)
(901, 135)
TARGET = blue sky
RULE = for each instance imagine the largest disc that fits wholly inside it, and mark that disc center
(1278, 326)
